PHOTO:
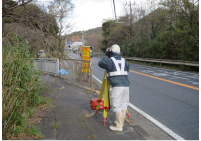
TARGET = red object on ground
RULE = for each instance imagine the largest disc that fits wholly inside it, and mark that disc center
(128, 115)
(94, 102)
(104, 121)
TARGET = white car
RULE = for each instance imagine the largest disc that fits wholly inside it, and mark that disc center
(41, 53)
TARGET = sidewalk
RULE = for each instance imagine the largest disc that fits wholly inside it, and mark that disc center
(73, 119)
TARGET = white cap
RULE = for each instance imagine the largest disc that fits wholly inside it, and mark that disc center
(115, 49)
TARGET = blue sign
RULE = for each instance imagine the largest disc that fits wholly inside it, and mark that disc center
(68, 42)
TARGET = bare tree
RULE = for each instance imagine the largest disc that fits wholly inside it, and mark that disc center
(54, 21)
(61, 10)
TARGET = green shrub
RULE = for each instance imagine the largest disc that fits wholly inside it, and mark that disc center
(21, 87)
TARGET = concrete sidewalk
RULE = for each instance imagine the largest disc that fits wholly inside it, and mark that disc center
(71, 118)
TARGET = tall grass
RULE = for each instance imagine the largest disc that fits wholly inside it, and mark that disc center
(21, 87)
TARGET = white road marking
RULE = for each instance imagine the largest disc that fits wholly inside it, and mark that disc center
(157, 123)
(195, 83)
(97, 79)
(180, 77)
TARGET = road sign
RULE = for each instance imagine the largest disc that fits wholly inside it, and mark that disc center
(85, 56)
(68, 43)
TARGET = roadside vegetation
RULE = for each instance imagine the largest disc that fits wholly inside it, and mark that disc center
(169, 30)
(21, 88)
(27, 27)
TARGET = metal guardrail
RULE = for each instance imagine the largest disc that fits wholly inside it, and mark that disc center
(100, 55)
(164, 61)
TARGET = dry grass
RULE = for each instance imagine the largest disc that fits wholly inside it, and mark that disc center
(85, 114)
(39, 112)
(24, 136)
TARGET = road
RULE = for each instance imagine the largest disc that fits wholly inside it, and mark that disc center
(170, 97)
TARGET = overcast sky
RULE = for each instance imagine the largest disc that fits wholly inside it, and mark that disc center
(89, 14)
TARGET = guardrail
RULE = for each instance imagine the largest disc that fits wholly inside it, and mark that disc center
(100, 55)
(162, 61)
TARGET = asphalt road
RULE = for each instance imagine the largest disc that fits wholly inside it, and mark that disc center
(170, 97)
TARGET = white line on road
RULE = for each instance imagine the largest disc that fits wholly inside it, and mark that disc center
(97, 79)
(160, 125)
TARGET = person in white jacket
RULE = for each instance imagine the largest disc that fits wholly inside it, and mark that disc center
(117, 71)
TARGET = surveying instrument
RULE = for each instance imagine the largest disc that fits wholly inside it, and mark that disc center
(103, 103)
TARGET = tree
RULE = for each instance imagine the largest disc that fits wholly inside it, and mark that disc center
(107, 27)
(184, 15)
(61, 9)
(9, 5)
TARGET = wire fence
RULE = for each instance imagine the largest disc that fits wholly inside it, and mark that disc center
(79, 71)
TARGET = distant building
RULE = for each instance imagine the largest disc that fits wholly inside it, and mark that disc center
(75, 39)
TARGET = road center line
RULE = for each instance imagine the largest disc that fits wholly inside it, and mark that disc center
(157, 123)
(184, 85)
(177, 83)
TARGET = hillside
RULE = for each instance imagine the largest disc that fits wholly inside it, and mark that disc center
(90, 36)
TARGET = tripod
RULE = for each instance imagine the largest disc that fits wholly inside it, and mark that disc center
(105, 86)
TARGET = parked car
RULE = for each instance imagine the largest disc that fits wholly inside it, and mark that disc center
(41, 53)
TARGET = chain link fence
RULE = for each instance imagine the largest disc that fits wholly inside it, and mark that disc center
(78, 71)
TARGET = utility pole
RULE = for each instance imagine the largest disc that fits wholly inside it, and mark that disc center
(115, 11)
(82, 39)
(130, 14)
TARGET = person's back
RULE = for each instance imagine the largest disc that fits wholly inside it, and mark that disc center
(120, 80)
(117, 71)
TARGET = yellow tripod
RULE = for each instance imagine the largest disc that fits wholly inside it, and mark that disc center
(105, 86)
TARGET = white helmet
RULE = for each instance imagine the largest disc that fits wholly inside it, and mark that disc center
(115, 49)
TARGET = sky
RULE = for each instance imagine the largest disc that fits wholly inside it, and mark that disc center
(89, 14)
